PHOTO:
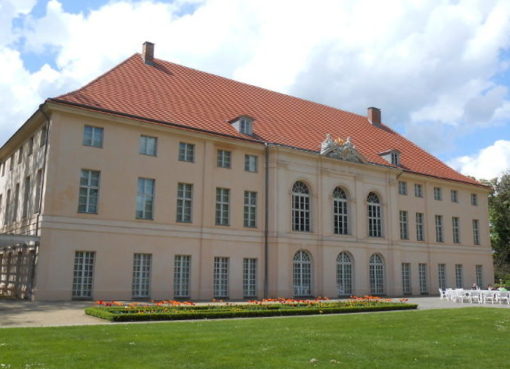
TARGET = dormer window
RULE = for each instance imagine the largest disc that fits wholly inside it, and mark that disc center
(243, 124)
(392, 157)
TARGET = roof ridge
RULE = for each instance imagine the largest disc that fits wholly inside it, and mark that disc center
(97, 78)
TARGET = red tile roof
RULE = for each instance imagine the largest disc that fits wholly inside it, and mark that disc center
(176, 94)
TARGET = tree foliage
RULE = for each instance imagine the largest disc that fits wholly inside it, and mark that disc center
(499, 217)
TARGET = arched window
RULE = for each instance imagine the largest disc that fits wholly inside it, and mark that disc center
(374, 215)
(344, 274)
(340, 222)
(376, 266)
(300, 207)
(302, 274)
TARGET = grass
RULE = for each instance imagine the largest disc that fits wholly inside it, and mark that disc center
(451, 338)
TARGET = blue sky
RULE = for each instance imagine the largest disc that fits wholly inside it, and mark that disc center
(438, 69)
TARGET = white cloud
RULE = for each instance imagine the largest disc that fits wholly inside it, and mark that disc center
(488, 163)
(428, 64)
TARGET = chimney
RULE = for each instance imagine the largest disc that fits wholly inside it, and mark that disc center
(148, 53)
(374, 116)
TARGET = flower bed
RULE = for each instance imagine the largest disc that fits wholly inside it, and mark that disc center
(177, 310)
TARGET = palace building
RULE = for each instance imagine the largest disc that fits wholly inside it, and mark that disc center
(158, 181)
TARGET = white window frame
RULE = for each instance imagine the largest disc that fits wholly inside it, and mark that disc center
(441, 276)
(182, 276)
(476, 231)
(88, 202)
(418, 190)
(402, 188)
(376, 274)
(26, 197)
(93, 136)
(344, 274)
(374, 212)
(456, 229)
(148, 145)
(454, 196)
(186, 152)
(301, 214)
(439, 228)
(420, 235)
(474, 199)
(249, 278)
(340, 212)
(83, 274)
(222, 217)
(146, 188)
(302, 274)
(404, 225)
(479, 275)
(459, 276)
(184, 202)
(422, 274)
(221, 277)
(224, 159)
(141, 281)
(250, 209)
(251, 163)
(406, 279)
(438, 194)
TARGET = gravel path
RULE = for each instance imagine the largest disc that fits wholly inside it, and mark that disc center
(53, 314)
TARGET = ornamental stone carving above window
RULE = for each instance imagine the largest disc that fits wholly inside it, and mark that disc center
(341, 149)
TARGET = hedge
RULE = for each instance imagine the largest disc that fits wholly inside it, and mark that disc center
(120, 314)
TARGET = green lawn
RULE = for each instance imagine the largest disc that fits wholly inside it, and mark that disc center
(454, 338)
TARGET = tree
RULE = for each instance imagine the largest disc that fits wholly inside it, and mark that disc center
(499, 218)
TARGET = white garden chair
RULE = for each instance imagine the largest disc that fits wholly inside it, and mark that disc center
(442, 294)
(503, 296)
(489, 296)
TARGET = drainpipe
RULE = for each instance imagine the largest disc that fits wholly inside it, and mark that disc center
(266, 220)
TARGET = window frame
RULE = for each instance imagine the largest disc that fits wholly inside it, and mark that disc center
(184, 203)
(94, 132)
(438, 221)
(340, 212)
(251, 163)
(88, 189)
(182, 276)
(301, 218)
(402, 188)
(454, 196)
(186, 152)
(222, 209)
(375, 216)
(455, 229)
(250, 209)
(145, 197)
(438, 194)
(420, 226)
(404, 224)
(83, 275)
(144, 148)
(224, 159)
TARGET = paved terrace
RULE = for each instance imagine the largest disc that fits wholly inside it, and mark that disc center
(67, 313)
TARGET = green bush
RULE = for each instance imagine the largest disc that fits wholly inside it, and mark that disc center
(124, 314)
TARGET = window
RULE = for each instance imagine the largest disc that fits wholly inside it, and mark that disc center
(148, 145)
(300, 207)
(476, 232)
(38, 191)
(7, 217)
(20, 154)
(83, 274)
(223, 159)
(474, 199)
(220, 277)
(406, 279)
(92, 136)
(141, 275)
(11, 163)
(30, 145)
(404, 229)
(145, 198)
(439, 228)
(459, 278)
(186, 152)
(402, 188)
(422, 273)
(374, 216)
(454, 195)
(344, 274)
(89, 191)
(184, 202)
(182, 272)
(3, 168)
(222, 206)
(419, 227)
(26, 197)
(340, 220)
(43, 136)
(15, 203)
(245, 125)
(250, 163)
(437, 193)
(302, 274)
(479, 275)
(455, 230)
(441, 275)
(395, 158)
(250, 209)
(376, 271)
(249, 277)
